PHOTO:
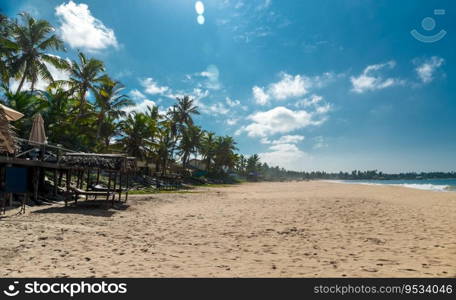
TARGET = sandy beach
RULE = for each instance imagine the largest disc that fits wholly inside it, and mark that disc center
(291, 229)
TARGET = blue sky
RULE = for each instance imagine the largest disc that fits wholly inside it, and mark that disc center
(310, 85)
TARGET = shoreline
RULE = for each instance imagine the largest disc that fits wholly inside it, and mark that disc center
(285, 229)
(415, 186)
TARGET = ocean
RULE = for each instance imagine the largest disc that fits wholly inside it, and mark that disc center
(443, 185)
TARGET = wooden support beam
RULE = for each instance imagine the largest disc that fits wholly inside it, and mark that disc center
(120, 186)
(68, 179)
(114, 189)
(54, 192)
(109, 186)
(127, 187)
(88, 183)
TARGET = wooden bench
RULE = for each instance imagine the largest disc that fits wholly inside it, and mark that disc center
(78, 192)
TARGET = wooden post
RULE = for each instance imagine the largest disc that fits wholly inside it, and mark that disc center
(98, 176)
(77, 179)
(87, 183)
(109, 186)
(120, 186)
(68, 179)
(114, 189)
(127, 187)
(36, 178)
(60, 177)
(55, 183)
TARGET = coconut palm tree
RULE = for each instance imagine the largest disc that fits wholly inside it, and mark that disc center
(109, 103)
(189, 143)
(225, 146)
(136, 135)
(207, 148)
(33, 38)
(184, 110)
(7, 49)
(85, 74)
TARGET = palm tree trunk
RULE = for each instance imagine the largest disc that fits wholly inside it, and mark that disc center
(100, 122)
(19, 88)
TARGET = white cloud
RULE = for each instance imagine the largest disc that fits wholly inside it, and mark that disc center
(280, 120)
(285, 139)
(152, 87)
(310, 101)
(81, 30)
(291, 86)
(232, 121)
(216, 109)
(137, 95)
(370, 79)
(288, 156)
(289, 139)
(232, 103)
(211, 74)
(320, 142)
(260, 96)
(426, 69)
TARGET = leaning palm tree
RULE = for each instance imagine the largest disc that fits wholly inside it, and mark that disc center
(33, 38)
(109, 102)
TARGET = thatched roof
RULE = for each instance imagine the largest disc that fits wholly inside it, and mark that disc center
(7, 135)
(99, 161)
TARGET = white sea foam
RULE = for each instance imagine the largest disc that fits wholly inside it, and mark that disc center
(428, 187)
(424, 186)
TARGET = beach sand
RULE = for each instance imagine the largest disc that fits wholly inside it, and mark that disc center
(289, 229)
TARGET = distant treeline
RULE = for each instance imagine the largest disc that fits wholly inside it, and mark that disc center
(269, 173)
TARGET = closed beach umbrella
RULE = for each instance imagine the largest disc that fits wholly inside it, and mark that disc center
(37, 133)
(11, 114)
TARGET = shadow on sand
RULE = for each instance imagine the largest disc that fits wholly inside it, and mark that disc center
(97, 208)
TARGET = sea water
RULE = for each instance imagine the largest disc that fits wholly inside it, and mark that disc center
(443, 185)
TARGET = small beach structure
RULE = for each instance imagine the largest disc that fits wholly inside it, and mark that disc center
(88, 170)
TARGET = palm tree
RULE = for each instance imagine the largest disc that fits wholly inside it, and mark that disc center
(33, 38)
(7, 49)
(84, 75)
(109, 103)
(58, 104)
(207, 148)
(184, 109)
(253, 163)
(136, 135)
(189, 143)
(225, 146)
(165, 143)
